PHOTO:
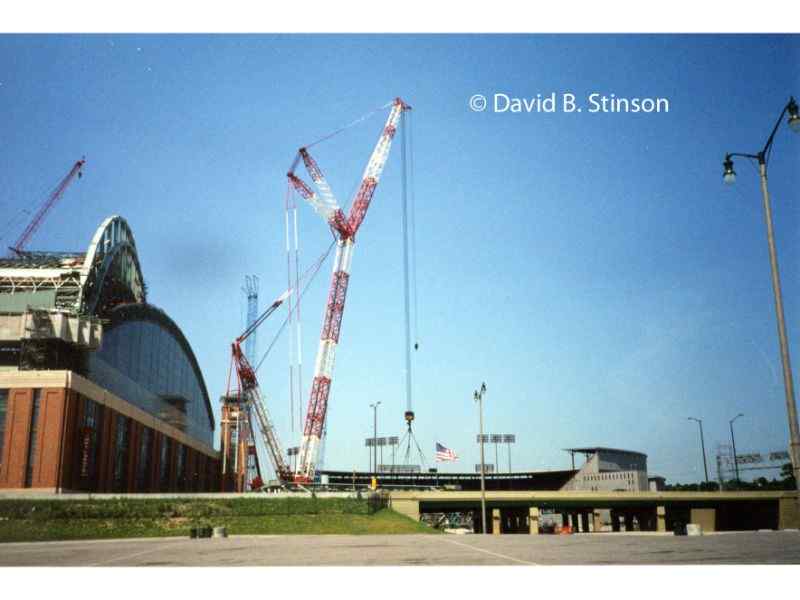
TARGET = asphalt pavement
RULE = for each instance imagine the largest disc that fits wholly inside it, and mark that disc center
(769, 547)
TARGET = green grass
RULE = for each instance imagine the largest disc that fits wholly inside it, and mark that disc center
(43, 520)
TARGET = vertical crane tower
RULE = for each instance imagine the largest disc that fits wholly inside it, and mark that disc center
(344, 230)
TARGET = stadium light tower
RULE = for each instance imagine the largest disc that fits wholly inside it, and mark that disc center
(729, 177)
(374, 408)
(478, 397)
(509, 438)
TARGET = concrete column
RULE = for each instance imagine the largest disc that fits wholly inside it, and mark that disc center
(597, 523)
(579, 519)
(570, 522)
(533, 520)
(661, 518)
(496, 523)
(788, 513)
(705, 517)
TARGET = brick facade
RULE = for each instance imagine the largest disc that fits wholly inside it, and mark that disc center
(65, 448)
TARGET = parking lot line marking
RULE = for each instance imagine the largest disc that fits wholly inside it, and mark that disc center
(127, 556)
(497, 554)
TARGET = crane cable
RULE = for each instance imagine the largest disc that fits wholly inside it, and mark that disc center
(409, 248)
(413, 227)
(311, 272)
(360, 119)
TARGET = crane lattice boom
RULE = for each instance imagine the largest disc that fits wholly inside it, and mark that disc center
(251, 396)
(325, 204)
(54, 196)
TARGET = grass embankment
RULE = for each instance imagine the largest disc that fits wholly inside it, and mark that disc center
(46, 520)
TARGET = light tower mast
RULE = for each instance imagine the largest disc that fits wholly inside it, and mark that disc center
(250, 290)
(344, 229)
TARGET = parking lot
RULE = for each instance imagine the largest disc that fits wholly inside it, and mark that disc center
(773, 547)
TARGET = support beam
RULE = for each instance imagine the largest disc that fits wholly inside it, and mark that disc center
(661, 519)
(705, 517)
(496, 522)
(533, 520)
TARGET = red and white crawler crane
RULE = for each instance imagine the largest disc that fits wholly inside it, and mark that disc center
(344, 229)
(251, 399)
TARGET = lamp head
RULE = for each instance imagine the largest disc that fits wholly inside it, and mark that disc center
(794, 116)
(728, 175)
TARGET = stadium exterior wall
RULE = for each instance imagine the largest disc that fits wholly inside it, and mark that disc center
(85, 439)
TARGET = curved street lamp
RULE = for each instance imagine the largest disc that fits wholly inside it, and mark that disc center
(729, 177)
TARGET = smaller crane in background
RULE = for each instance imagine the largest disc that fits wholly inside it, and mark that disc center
(246, 401)
(55, 195)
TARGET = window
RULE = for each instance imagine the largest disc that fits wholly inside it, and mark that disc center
(163, 467)
(121, 454)
(32, 440)
(148, 364)
(145, 454)
(181, 467)
(88, 441)
(3, 410)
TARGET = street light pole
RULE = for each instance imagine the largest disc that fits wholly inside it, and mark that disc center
(374, 408)
(478, 397)
(729, 176)
(733, 442)
(702, 446)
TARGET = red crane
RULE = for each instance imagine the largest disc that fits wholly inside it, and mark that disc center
(251, 401)
(344, 230)
(54, 196)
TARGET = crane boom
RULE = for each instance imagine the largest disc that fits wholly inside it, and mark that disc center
(252, 397)
(332, 322)
(54, 196)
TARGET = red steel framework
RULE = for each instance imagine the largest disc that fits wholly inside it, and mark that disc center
(54, 196)
(344, 229)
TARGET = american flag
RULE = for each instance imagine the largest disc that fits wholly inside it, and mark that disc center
(444, 454)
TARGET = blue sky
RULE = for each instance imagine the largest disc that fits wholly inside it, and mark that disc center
(591, 268)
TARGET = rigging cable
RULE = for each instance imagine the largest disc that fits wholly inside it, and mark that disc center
(413, 226)
(298, 330)
(289, 196)
(406, 294)
(312, 270)
(360, 119)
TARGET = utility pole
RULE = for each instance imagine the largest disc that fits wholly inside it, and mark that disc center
(702, 446)
(478, 397)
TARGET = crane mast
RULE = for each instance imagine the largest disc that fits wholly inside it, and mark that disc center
(54, 196)
(344, 230)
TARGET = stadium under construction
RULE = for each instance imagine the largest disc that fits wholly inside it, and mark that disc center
(101, 392)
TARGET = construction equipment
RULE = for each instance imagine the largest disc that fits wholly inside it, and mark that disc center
(344, 230)
(19, 247)
(242, 404)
